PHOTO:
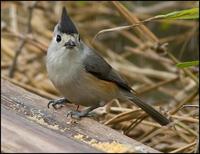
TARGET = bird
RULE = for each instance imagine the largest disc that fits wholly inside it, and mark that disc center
(83, 77)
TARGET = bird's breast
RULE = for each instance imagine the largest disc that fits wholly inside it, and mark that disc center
(80, 87)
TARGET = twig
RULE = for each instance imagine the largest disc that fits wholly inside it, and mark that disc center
(148, 132)
(182, 135)
(186, 100)
(197, 145)
(196, 106)
(23, 42)
(152, 124)
(162, 129)
(124, 116)
(135, 123)
(13, 15)
(14, 63)
(184, 118)
(145, 71)
(149, 55)
(183, 148)
(185, 127)
(35, 42)
(131, 18)
(157, 85)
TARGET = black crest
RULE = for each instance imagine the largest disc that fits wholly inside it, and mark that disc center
(66, 25)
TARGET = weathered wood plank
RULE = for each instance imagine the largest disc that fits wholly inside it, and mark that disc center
(27, 124)
(21, 135)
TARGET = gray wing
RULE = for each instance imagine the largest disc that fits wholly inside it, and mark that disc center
(98, 67)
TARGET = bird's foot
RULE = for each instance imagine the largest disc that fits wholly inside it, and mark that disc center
(78, 114)
(57, 103)
(85, 113)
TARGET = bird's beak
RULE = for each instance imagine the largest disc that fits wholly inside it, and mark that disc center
(70, 44)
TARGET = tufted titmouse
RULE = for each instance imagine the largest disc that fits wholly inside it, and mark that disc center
(83, 77)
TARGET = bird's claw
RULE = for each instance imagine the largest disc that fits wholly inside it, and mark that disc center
(74, 114)
(54, 104)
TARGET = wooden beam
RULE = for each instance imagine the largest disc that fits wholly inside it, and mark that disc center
(21, 135)
(29, 126)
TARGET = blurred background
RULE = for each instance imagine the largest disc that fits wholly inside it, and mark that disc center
(145, 55)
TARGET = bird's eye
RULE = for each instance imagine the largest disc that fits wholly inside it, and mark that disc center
(58, 38)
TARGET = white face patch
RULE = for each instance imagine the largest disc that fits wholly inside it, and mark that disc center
(58, 52)
(64, 38)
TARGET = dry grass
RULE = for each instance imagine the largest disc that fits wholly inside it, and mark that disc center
(138, 54)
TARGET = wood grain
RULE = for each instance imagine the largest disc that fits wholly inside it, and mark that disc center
(29, 126)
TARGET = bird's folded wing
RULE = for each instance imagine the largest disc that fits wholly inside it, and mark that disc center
(98, 67)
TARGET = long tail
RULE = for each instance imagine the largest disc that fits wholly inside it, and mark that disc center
(148, 109)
